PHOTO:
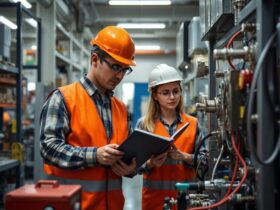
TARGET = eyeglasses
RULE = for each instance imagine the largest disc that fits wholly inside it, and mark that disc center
(116, 67)
(167, 93)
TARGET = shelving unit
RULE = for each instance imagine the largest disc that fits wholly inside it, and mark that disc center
(22, 38)
(70, 54)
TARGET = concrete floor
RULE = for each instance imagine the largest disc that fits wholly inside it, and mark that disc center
(132, 192)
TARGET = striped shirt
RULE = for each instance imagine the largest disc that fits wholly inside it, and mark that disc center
(202, 156)
(55, 127)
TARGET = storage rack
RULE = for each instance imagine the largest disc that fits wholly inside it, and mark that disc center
(17, 71)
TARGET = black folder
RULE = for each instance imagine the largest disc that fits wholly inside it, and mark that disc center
(143, 144)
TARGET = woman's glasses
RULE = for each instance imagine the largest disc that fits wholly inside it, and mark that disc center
(168, 93)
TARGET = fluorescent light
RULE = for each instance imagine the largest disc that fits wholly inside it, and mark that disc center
(8, 23)
(139, 2)
(25, 3)
(147, 47)
(142, 25)
(31, 22)
(34, 47)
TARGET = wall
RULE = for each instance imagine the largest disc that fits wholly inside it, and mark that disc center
(146, 63)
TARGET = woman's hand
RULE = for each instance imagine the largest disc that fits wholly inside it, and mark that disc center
(156, 161)
(177, 154)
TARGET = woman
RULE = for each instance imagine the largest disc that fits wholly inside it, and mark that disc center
(165, 115)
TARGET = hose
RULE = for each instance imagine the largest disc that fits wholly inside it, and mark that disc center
(274, 154)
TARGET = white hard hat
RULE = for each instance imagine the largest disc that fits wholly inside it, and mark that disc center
(163, 74)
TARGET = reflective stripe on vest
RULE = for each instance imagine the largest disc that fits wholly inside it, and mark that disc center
(160, 185)
(91, 186)
(170, 161)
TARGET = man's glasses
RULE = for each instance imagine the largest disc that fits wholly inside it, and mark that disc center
(167, 93)
(116, 67)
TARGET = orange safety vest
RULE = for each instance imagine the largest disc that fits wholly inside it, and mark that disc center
(160, 183)
(102, 188)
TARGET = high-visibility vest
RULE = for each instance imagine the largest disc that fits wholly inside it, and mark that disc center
(102, 188)
(160, 183)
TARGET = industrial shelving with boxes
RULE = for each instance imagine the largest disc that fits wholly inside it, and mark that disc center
(72, 58)
(15, 59)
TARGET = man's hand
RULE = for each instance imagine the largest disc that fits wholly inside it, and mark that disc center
(156, 161)
(122, 169)
(108, 154)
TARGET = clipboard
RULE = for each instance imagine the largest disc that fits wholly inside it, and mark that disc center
(142, 145)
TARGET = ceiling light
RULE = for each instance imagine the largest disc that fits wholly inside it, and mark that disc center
(8, 23)
(147, 47)
(142, 25)
(25, 3)
(31, 22)
(139, 2)
(34, 47)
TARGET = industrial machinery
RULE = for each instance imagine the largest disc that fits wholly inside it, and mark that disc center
(242, 108)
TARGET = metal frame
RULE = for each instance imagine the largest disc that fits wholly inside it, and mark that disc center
(268, 175)
(18, 70)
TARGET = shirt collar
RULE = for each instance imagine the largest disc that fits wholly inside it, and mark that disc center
(176, 121)
(91, 88)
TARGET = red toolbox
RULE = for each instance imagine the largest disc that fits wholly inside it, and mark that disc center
(45, 195)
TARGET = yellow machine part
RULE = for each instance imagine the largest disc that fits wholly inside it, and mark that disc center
(17, 151)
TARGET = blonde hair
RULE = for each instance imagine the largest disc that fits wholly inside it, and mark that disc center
(154, 113)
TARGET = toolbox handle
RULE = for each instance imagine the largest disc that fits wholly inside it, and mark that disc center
(47, 183)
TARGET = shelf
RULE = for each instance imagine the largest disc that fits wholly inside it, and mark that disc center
(63, 30)
(5, 81)
(219, 28)
(62, 57)
(8, 68)
(8, 164)
(7, 105)
(77, 66)
(30, 67)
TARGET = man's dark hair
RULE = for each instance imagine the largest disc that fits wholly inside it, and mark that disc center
(97, 50)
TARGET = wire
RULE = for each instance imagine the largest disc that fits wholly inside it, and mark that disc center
(229, 44)
(274, 154)
(227, 197)
(217, 163)
(234, 172)
(196, 154)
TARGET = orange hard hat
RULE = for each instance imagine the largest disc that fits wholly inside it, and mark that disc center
(117, 43)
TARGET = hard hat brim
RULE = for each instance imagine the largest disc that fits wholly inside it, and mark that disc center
(165, 82)
(122, 60)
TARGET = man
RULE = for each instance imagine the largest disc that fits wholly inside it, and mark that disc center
(82, 125)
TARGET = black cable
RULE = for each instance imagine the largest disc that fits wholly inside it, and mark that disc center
(196, 155)
(250, 109)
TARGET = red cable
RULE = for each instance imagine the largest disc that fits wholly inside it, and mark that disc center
(227, 197)
(234, 172)
(229, 44)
